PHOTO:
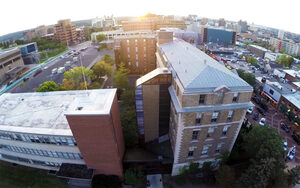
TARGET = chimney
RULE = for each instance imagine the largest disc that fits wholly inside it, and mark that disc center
(164, 36)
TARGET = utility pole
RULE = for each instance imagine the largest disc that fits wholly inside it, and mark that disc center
(83, 73)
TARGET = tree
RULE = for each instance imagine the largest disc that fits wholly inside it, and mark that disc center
(263, 146)
(108, 59)
(74, 78)
(48, 86)
(225, 176)
(285, 60)
(101, 37)
(294, 176)
(251, 60)
(120, 78)
(132, 176)
(248, 77)
(223, 157)
(101, 69)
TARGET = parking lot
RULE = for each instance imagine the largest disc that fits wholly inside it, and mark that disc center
(88, 57)
(273, 118)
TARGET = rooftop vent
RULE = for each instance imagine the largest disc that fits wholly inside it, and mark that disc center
(79, 108)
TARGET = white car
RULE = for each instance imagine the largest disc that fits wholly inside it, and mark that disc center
(54, 71)
(285, 146)
(250, 110)
(262, 122)
(291, 153)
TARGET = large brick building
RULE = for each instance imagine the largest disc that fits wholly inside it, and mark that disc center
(137, 52)
(207, 102)
(64, 31)
(48, 130)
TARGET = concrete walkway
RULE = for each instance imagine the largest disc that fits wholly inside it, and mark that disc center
(155, 181)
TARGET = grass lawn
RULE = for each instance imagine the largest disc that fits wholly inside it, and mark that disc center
(25, 177)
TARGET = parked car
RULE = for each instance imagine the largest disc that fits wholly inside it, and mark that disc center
(296, 137)
(54, 71)
(250, 110)
(25, 79)
(260, 110)
(285, 146)
(262, 122)
(291, 153)
(255, 116)
(285, 127)
(61, 70)
(37, 72)
(10, 82)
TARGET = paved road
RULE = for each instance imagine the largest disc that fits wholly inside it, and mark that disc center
(88, 57)
(274, 118)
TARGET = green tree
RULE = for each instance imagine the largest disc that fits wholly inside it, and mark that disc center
(193, 167)
(248, 77)
(285, 60)
(120, 78)
(48, 86)
(133, 175)
(252, 60)
(294, 176)
(223, 157)
(101, 69)
(225, 176)
(101, 37)
(108, 59)
(74, 78)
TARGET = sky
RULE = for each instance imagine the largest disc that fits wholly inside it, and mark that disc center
(17, 15)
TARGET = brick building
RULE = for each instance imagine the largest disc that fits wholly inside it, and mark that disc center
(48, 130)
(65, 31)
(208, 103)
(137, 52)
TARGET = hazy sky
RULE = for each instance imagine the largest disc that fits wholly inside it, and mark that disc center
(16, 15)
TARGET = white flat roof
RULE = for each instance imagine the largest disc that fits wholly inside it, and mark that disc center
(44, 113)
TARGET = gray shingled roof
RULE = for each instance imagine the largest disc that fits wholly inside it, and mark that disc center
(197, 70)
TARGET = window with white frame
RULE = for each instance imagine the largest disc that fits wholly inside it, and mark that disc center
(214, 117)
(136, 49)
(220, 97)
(191, 151)
(127, 42)
(219, 146)
(195, 135)
(128, 49)
(136, 41)
(198, 118)
(202, 99)
(128, 55)
(210, 132)
(229, 116)
(137, 64)
(129, 63)
(144, 40)
(225, 129)
(205, 150)
(144, 48)
(136, 56)
(235, 97)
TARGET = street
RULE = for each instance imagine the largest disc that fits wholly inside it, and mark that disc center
(273, 118)
(88, 57)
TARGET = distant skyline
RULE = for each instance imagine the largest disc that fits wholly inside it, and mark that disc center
(17, 15)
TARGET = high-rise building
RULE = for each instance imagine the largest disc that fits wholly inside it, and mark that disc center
(290, 47)
(242, 26)
(222, 22)
(137, 52)
(65, 31)
(208, 102)
(48, 130)
(280, 34)
(40, 31)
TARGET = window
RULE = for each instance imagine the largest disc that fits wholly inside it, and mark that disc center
(136, 41)
(202, 99)
(214, 117)
(225, 129)
(144, 40)
(235, 97)
(137, 64)
(271, 92)
(144, 48)
(198, 118)
(204, 150)
(220, 97)
(229, 116)
(195, 135)
(129, 63)
(128, 55)
(219, 146)
(127, 42)
(128, 49)
(144, 55)
(136, 49)
(191, 152)
(210, 132)
(136, 56)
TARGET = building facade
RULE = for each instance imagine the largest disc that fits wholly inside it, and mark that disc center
(65, 31)
(208, 102)
(9, 60)
(257, 50)
(46, 130)
(216, 35)
(137, 52)
(288, 46)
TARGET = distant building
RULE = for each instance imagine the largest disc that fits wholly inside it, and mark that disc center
(257, 50)
(65, 31)
(290, 105)
(9, 60)
(137, 52)
(217, 35)
(110, 35)
(40, 31)
(280, 34)
(290, 47)
(50, 36)
(29, 53)
(204, 21)
(222, 22)
(82, 33)
(105, 22)
(242, 26)
(64, 128)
